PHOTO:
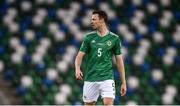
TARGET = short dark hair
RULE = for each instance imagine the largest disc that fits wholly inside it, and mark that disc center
(101, 14)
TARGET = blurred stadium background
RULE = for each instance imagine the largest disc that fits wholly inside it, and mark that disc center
(39, 40)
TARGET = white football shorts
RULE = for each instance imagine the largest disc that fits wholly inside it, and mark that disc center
(92, 90)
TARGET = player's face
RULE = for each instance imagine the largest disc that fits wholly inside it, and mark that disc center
(96, 22)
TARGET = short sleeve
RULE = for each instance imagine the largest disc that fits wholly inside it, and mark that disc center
(117, 47)
(85, 45)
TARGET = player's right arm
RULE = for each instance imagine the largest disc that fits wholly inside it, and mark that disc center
(78, 61)
(82, 51)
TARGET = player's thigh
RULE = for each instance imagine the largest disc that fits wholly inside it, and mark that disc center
(90, 92)
(90, 103)
(108, 101)
(108, 89)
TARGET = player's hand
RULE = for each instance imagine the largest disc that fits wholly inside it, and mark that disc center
(79, 75)
(123, 89)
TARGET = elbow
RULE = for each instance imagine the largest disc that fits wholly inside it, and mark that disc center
(78, 57)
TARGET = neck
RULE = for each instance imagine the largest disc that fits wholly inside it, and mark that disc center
(102, 30)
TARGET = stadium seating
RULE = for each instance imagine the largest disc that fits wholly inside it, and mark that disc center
(39, 40)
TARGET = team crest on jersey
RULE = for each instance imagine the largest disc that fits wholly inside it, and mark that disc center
(109, 43)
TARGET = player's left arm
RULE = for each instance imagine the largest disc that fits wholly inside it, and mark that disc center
(121, 69)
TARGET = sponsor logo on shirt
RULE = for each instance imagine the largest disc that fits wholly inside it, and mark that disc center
(93, 41)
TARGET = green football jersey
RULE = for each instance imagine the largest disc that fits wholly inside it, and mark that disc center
(98, 55)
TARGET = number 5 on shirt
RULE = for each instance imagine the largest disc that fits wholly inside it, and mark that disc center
(99, 52)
